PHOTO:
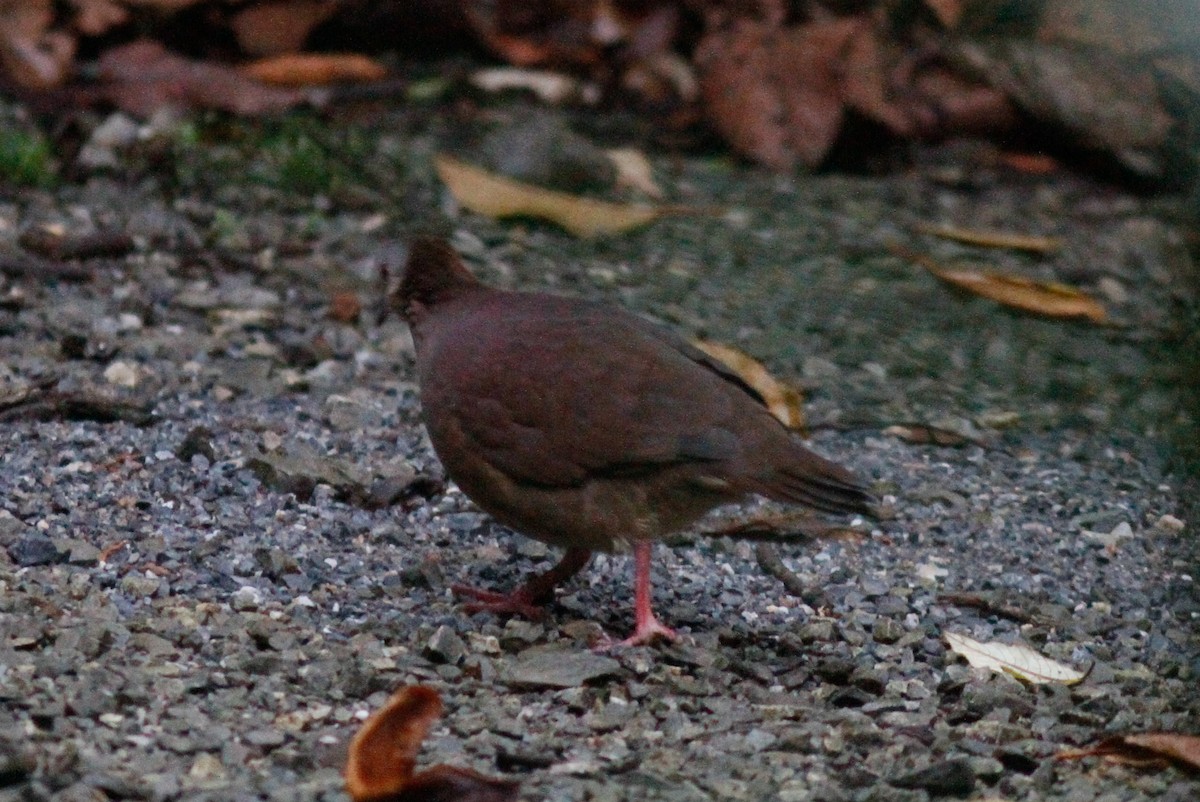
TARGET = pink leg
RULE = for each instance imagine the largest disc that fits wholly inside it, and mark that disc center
(526, 600)
(647, 628)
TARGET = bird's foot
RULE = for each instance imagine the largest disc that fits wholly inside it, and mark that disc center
(644, 634)
(520, 602)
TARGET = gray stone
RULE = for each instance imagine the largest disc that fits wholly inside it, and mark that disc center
(445, 646)
(80, 552)
(887, 630)
(138, 586)
(34, 548)
(557, 667)
(11, 528)
(267, 738)
(299, 468)
(949, 778)
(821, 630)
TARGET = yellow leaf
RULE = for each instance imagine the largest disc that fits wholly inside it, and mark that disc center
(1042, 297)
(1048, 298)
(496, 196)
(634, 171)
(1019, 661)
(992, 239)
(783, 400)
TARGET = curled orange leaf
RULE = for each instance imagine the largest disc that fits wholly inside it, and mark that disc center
(1144, 749)
(383, 756)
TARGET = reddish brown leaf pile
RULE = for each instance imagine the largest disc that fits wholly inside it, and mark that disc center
(143, 76)
(782, 82)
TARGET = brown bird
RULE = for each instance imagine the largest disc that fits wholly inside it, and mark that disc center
(588, 428)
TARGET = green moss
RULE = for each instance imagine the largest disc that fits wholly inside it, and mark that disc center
(299, 156)
(294, 161)
(25, 158)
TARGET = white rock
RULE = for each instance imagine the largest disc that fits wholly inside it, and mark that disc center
(121, 374)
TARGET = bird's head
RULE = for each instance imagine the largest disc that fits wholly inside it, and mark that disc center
(433, 274)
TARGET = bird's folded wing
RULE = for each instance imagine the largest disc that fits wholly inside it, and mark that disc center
(568, 429)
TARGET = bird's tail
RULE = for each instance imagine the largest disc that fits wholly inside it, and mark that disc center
(807, 478)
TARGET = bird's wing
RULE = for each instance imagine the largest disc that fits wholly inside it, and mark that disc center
(593, 396)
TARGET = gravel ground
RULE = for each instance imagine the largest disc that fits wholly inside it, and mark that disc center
(204, 603)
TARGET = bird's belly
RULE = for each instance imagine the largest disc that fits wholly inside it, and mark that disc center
(599, 515)
(573, 517)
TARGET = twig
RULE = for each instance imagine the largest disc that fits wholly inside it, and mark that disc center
(784, 527)
(986, 605)
(76, 246)
(769, 561)
(53, 405)
(35, 267)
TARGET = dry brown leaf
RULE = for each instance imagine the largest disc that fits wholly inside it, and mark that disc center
(948, 12)
(1144, 749)
(496, 196)
(541, 40)
(942, 103)
(1048, 298)
(992, 239)
(109, 551)
(779, 95)
(1018, 661)
(31, 54)
(662, 78)
(1175, 746)
(383, 756)
(924, 435)
(784, 401)
(94, 17)
(314, 69)
(275, 28)
(576, 33)
(142, 77)
(773, 95)
(724, 13)
(864, 80)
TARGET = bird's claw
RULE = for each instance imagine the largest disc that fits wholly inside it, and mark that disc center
(519, 602)
(646, 634)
